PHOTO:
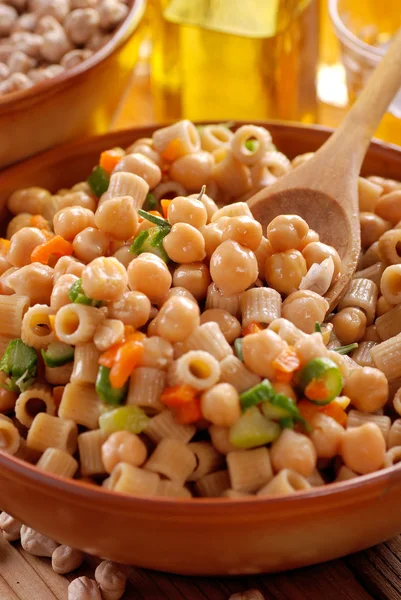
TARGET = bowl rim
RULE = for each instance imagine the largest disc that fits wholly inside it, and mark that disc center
(119, 36)
(339, 493)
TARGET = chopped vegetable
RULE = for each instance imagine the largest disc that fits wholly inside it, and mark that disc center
(127, 358)
(110, 159)
(78, 296)
(108, 393)
(251, 328)
(321, 380)
(189, 412)
(318, 329)
(336, 412)
(177, 395)
(150, 202)
(57, 354)
(308, 410)
(124, 418)
(238, 348)
(19, 362)
(174, 150)
(151, 240)
(252, 145)
(257, 394)
(286, 423)
(99, 181)
(153, 218)
(165, 204)
(39, 222)
(346, 349)
(253, 429)
(285, 364)
(4, 246)
(56, 246)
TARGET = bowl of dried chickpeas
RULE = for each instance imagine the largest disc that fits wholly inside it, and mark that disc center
(175, 393)
(64, 65)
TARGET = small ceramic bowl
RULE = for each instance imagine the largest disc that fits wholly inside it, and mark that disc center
(200, 536)
(80, 102)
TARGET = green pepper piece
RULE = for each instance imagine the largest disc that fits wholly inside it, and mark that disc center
(252, 145)
(346, 349)
(19, 361)
(253, 429)
(57, 354)
(99, 181)
(238, 348)
(106, 391)
(78, 296)
(150, 202)
(318, 329)
(151, 240)
(153, 218)
(323, 372)
(286, 423)
(259, 393)
(124, 418)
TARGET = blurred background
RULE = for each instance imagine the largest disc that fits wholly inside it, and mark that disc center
(293, 60)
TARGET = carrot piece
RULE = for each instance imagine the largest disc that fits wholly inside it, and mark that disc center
(251, 328)
(107, 358)
(57, 246)
(178, 395)
(285, 364)
(136, 336)
(165, 204)
(336, 412)
(156, 213)
(127, 358)
(316, 390)
(283, 377)
(110, 158)
(128, 330)
(173, 151)
(308, 410)
(39, 222)
(4, 246)
(189, 412)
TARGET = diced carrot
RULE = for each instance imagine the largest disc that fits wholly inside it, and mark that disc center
(4, 246)
(251, 328)
(308, 409)
(335, 411)
(174, 150)
(128, 330)
(136, 336)
(316, 390)
(189, 412)
(177, 395)
(57, 246)
(155, 213)
(107, 358)
(165, 204)
(283, 377)
(285, 364)
(127, 358)
(39, 222)
(110, 159)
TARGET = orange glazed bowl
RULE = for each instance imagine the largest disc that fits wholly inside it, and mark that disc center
(80, 102)
(199, 536)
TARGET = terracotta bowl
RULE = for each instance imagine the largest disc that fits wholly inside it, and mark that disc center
(80, 102)
(203, 536)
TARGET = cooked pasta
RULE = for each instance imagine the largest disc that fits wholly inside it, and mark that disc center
(184, 348)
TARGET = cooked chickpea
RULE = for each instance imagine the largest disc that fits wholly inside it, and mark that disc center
(177, 319)
(230, 326)
(70, 221)
(220, 405)
(260, 350)
(293, 451)
(383, 306)
(124, 255)
(184, 244)
(371, 335)
(34, 280)
(133, 308)
(372, 228)
(192, 170)
(194, 277)
(108, 333)
(310, 238)
(304, 308)
(22, 244)
(316, 252)
(208, 203)
(78, 198)
(284, 388)
(187, 210)
(220, 437)
(150, 275)
(363, 448)
(140, 165)
(262, 252)
(286, 232)
(104, 278)
(213, 235)
(349, 325)
(30, 200)
(244, 230)
(233, 268)
(90, 243)
(123, 446)
(367, 389)
(117, 217)
(326, 435)
(158, 353)
(59, 296)
(390, 287)
(284, 271)
(310, 347)
(68, 265)
(388, 207)
(179, 291)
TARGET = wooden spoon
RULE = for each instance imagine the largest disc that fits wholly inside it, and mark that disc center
(324, 190)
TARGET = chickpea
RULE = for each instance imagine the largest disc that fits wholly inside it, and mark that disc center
(284, 388)
(111, 580)
(90, 243)
(34, 280)
(284, 271)
(367, 389)
(70, 221)
(59, 296)
(111, 13)
(316, 252)
(187, 210)
(208, 203)
(388, 207)
(390, 287)
(192, 170)
(179, 291)
(150, 275)
(230, 326)
(8, 17)
(140, 165)
(286, 232)
(233, 267)
(293, 451)
(260, 350)
(68, 265)
(371, 335)
(84, 588)
(244, 230)
(213, 235)
(133, 308)
(56, 8)
(194, 277)
(123, 446)
(220, 405)
(383, 306)
(78, 198)
(304, 308)
(184, 244)
(19, 62)
(177, 319)
(220, 437)
(363, 448)
(104, 279)
(22, 244)
(311, 237)
(326, 435)
(349, 325)
(117, 217)
(66, 559)
(75, 57)
(108, 333)
(81, 24)
(28, 200)
(372, 228)
(310, 347)
(158, 353)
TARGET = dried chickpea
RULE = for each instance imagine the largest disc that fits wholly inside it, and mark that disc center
(244, 230)
(111, 13)
(230, 326)
(177, 319)
(123, 446)
(70, 221)
(90, 243)
(192, 170)
(149, 274)
(304, 308)
(372, 228)
(194, 277)
(363, 448)
(111, 580)
(187, 210)
(22, 244)
(367, 389)
(316, 252)
(184, 244)
(117, 217)
(388, 207)
(212, 234)
(80, 24)
(105, 278)
(233, 268)
(259, 351)
(284, 271)
(66, 559)
(220, 405)
(133, 308)
(349, 325)
(390, 287)
(326, 435)
(286, 232)
(293, 451)
(83, 588)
